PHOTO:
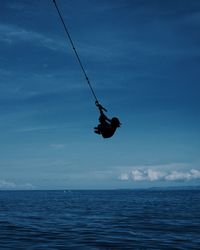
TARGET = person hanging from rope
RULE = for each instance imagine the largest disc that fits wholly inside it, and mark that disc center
(106, 127)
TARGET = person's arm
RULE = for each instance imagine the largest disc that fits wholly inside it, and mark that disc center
(107, 119)
(101, 108)
(103, 117)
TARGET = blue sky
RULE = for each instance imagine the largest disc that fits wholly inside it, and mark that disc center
(142, 58)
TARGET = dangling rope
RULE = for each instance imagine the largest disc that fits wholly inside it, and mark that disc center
(76, 53)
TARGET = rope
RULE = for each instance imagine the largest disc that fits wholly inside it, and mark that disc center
(75, 51)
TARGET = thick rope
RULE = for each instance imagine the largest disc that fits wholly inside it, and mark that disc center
(75, 51)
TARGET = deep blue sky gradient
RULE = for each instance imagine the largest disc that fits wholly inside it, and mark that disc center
(142, 58)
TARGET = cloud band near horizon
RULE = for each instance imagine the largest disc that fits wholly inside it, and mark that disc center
(152, 175)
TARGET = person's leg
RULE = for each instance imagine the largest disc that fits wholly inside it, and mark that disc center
(97, 129)
(102, 120)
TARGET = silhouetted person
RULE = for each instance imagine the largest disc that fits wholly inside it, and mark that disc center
(107, 127)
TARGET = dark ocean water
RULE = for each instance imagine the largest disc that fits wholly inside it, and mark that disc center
(121, 219)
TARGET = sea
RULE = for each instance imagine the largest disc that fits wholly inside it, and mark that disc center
(100, 219)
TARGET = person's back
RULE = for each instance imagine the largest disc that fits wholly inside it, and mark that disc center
(107, 127)
(108, 131)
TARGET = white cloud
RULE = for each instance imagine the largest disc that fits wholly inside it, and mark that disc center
(155, 174)
(149, 174)
(177, 176)
(124, 177)
(183, 176)
(195, 173)
(137, 175)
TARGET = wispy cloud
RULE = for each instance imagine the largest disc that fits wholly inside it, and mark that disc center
(12, 34)
(16, 6)
(7, 184)
(40, 128)
(14, 84)
(4, 184)
(31, 129)
(152, 175)
(57, 146)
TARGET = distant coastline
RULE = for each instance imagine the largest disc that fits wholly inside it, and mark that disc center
(184, 187)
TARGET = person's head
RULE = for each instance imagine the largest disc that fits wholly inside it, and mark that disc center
(115, 122)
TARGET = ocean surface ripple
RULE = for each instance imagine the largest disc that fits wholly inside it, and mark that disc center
(118, 219)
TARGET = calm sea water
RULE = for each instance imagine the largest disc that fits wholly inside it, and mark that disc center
(148, 219)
